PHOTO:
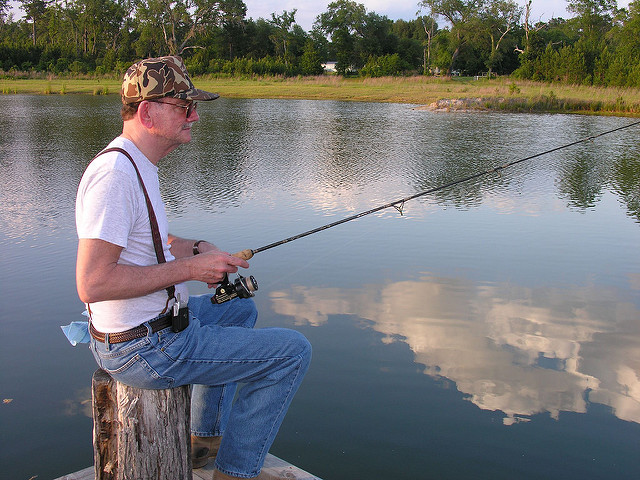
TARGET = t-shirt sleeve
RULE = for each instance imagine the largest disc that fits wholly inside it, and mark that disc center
(106, 207)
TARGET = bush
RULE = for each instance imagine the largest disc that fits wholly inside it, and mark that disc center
(121, 67)
(384, 66)
(198, 63)
(108, 62)
(62, 65)
(240, 67)
(77, 67)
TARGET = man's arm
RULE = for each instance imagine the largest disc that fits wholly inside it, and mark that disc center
(100, 277)
(183, 247)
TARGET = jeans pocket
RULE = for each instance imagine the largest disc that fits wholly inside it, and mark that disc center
(137, 372)
(128, 364)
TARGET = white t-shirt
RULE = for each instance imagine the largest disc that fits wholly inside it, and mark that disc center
(110, 206)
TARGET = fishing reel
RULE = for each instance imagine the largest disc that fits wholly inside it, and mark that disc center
(241, 287)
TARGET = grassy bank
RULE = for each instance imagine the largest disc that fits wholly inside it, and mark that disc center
(496, 94)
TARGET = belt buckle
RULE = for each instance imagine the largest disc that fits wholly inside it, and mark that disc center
(180, 316)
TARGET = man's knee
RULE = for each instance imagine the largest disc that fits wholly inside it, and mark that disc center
(304, 348)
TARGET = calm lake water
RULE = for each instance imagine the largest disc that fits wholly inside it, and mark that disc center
(491, 331)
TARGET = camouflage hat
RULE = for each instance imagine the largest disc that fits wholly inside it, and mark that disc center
(160, 77)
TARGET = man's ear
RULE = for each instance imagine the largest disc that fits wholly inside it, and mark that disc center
(144, 114)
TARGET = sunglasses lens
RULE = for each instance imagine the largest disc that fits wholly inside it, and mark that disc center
(192, 106)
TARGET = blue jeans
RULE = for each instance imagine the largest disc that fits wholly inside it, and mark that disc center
(219, 349)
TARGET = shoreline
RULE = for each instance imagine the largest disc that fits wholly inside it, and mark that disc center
(426, 93)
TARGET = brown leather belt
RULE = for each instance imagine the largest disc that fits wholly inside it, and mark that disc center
(133, 333)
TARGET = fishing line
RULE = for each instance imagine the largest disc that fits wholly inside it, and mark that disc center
(399, 204)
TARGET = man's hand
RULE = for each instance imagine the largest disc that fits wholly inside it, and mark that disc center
(211, 267)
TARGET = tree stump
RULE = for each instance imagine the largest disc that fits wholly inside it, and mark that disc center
(140, 434)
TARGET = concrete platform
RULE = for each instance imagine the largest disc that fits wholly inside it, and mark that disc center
(272, 464)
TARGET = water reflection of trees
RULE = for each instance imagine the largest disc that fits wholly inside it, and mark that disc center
(581, 180)
(515, 349)
(335, 152)
(44, 150)
(331, 155)
(626, 183)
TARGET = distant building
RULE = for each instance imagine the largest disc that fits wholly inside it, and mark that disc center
(330, 67)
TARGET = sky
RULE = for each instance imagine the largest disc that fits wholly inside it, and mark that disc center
(308, 10)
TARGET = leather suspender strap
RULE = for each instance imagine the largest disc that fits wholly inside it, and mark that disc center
(155, 230)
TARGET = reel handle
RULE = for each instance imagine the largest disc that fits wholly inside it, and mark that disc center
(244, 254)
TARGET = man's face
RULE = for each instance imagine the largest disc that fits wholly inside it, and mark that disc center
(173, 119)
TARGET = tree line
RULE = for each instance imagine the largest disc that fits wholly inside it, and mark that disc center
(599, 45)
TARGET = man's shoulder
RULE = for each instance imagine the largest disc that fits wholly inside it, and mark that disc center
(109, 167)
(116, 157)
(110, 171)
(110, 159)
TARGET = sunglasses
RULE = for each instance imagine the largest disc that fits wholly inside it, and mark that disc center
(189, 108)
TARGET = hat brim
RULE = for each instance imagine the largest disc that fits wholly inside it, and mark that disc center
(196, 94)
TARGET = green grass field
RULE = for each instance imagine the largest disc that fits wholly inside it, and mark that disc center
(495, 94)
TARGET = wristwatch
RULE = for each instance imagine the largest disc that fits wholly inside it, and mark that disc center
(196, 250)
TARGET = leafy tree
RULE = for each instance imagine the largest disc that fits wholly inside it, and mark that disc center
(35, 11)
(414, 44)
(619, 62)
(297, 41)
(179, 22)
(322, 45)
(629, 44)
(232, 22)
(430, 28)
(600, 45)
(356, 34)
(342, 21)
(496, 19)
(310, 62)
(593, 17)
(593, 20)
(258, 35)
(99, 23)
(460, 14)
(4, 11)
(282, 31)
(375, 38)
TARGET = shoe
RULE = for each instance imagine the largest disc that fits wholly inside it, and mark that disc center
(266, 474)
(202, 449)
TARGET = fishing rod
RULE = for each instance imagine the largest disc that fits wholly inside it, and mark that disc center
(244, 287)
(398, 204)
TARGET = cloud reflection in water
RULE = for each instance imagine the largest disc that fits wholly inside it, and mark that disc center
(515, 349)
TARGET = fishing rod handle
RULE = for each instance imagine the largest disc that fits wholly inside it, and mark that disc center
(244, 254)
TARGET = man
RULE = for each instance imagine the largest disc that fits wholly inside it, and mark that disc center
(132, 280)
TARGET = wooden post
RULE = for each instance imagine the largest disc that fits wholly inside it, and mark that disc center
(140, 434)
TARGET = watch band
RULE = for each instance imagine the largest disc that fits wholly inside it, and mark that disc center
(196, 250)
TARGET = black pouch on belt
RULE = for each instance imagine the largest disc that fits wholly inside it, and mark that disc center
(180, 321)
